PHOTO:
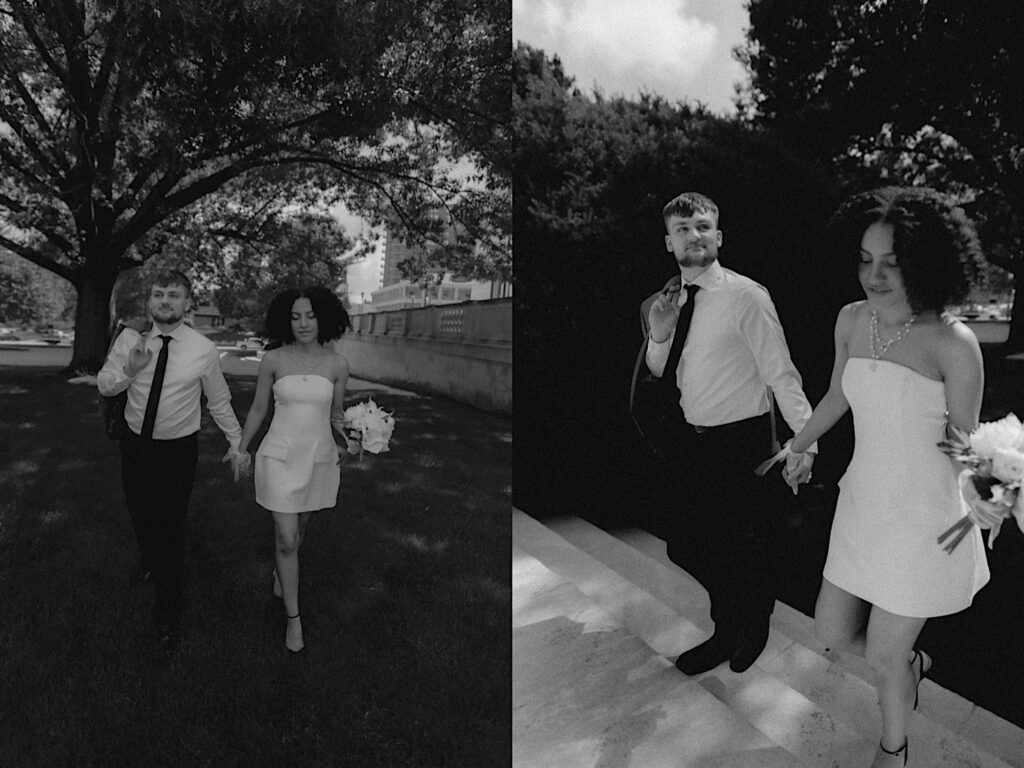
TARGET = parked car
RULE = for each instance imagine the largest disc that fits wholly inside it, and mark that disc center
(9, 336)
(251, 342)
(52, 337)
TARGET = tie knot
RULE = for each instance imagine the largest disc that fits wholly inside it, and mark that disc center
(166, 338)
(691, 289)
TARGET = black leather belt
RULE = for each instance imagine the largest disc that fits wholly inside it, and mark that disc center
(731, 425)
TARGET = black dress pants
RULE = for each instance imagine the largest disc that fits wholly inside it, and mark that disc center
(728, 532)
(158, 476)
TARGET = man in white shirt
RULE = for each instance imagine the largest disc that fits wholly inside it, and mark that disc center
(164, 372)
(730, 351)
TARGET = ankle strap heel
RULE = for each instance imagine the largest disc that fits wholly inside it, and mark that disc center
(904, 750)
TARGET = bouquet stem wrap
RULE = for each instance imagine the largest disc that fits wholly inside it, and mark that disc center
(993, 457)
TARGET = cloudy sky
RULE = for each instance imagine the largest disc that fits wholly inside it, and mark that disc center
(679, 49)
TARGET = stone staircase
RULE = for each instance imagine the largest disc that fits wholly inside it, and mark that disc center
(598, 620)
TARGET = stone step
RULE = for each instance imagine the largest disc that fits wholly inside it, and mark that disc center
(993, 735)
(947, 729)
(784, 715)
(586, 692)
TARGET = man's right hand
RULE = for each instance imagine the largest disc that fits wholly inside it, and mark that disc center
(662, 317)
(138, 357)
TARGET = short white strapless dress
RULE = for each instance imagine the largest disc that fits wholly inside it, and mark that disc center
(898, 495)
(296, 466)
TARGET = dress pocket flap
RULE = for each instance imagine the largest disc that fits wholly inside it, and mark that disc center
(327, 454)
(275, 451)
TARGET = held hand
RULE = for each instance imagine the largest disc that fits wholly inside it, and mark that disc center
(241, 463)
(662, 318)
(138, 356)
(797, 469)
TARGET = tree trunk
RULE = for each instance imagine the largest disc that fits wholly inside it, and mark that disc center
(1015, 342)
(92, 322)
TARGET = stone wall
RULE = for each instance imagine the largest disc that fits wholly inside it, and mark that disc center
(462, 351)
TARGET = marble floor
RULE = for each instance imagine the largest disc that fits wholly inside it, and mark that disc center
(597, 620)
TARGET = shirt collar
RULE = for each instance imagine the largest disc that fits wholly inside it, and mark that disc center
(710, 277)
(177, 334)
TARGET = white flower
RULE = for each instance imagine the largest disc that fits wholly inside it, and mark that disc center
(371, 426)
(374, 441)
(992, 436)
(1008, 465)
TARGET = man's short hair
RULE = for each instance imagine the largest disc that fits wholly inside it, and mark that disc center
(689, 203)
(169, 277)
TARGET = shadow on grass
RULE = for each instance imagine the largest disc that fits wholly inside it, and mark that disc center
(405, 601)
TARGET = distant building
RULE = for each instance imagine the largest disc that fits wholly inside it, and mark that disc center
(398, 293)
(207, 316)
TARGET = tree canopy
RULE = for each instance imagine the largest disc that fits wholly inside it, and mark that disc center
(30, 295)
(929, 87)
(116, 118)
(591, 177)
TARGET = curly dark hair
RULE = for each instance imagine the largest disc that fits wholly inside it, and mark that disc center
(331, 317)
(936, 245)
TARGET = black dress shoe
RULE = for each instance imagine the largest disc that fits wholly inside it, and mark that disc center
(167, 638)
(749, 648)
(707, 655)
(140, 575)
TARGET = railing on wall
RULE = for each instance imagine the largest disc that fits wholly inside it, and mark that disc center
(474, 322)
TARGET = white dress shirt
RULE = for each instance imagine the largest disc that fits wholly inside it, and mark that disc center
(735, 346)
(193, 367)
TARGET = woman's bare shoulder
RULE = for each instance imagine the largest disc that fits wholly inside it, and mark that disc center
(952, 342)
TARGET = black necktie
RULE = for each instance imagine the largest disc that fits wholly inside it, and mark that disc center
(154, 391)
(679, 339)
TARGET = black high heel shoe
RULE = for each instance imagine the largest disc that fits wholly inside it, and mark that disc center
(293, 650)
(922, 673)
(904, 750)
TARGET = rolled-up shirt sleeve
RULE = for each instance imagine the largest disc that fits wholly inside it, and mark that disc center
(111, 380)
(218, 398)
(760, 326)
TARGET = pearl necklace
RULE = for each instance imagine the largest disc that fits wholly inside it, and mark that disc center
(310, 366)
(878, 347)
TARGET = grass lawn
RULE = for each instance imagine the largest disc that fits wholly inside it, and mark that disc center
(405, 596)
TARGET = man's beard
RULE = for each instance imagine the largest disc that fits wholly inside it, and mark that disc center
(702, 259)
(171, 320)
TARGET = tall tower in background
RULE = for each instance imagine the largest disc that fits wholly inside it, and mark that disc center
(398, 293)
(395, 252)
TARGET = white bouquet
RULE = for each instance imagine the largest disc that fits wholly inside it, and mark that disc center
(993, 456)
(367, 428)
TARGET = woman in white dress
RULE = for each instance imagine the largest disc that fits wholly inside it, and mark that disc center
(297, 464)
(908, 370)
